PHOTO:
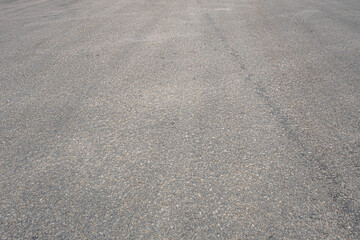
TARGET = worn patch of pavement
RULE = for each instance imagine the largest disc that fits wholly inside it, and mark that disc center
(189, 119)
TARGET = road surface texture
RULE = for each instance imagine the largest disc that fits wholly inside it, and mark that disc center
(190, 119)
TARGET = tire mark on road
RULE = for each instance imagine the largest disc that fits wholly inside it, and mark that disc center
(71, 106)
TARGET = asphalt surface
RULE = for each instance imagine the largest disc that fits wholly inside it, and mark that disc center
(191, 119)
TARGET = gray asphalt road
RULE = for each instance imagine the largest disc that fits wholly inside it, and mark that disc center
(191, 119)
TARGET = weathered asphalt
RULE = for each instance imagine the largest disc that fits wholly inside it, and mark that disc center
(191, 119)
